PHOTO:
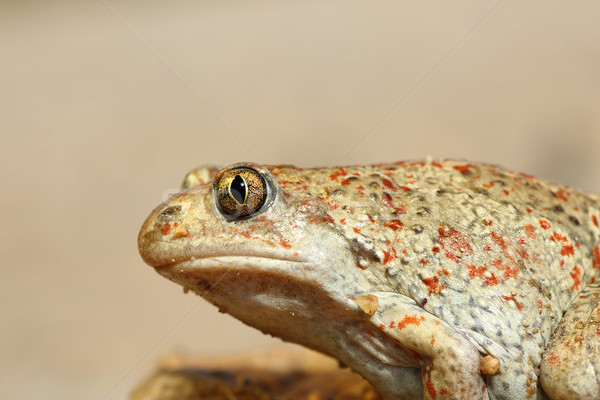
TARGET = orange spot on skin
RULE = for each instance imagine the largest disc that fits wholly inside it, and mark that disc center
(530, 230)
(343, 221)
(488, 185)
(557, 237)
(561, 194)
(576, 275)
(529, 210)
(453, 242)
(435, 249)
(356, 230)
(166, 229)
(389, 255)
(545, 224)
(567, 250)
(430, 389)
(285, 243)
(596, 257)
(437, 164)
(394, 224)
(553, 359)
(424, 262)
(340, 172)
(509, 298)
(595, 220)
(381, 326)
(433, 284)
(400, 210)
(522, 254)
(345, 182)
(499, 240)
(432, 341)
(410, 320)
(443, 271)
(491, 280)
(476, 271)
(464, 169)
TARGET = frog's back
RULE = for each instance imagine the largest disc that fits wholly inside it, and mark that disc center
(497, 254)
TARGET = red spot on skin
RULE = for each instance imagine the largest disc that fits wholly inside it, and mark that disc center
(392, 324)
(356, 230)
(437, 164)
(424, 262)
(345, 182)
(433, 284)
(521, 240)
(595, 220)
(545, 224)
(509, 298)
(381, 326)
(592, 279)
(576, 275)
(444, 392)
(430, 389)
(596, 257)
(387, 199)
(506, 192)
(361, 267)
(285, 243)
(530, 230)
(410, 320)
(561, 194)
(432, 341)
(464, 169)
(488, 185)
(529, 210)
(394, 224)
(388, 184)
(567, 250)
(435, 249)
(343, 221)
(246, 234)
(443, 271)
(405, 188)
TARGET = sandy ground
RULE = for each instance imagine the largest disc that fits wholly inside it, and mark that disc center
(106, 104)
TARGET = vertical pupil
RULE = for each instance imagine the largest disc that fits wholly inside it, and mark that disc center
(238, 189)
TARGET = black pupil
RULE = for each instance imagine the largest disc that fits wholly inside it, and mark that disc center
(238, 189)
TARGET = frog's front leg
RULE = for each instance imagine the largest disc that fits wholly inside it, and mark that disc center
(450, 364)
(571, 364)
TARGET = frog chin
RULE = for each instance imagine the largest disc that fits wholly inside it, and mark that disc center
(291, 300)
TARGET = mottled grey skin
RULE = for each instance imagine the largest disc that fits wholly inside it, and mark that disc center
(465, 260)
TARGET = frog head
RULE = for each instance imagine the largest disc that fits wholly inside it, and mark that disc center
(268, 256)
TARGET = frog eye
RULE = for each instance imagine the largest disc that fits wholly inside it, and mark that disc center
(241, 192)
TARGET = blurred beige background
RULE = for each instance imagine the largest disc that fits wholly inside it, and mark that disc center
(103, 111)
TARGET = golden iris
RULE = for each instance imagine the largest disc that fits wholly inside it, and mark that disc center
(241, 192)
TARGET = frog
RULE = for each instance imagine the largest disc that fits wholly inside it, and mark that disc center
(433, 279)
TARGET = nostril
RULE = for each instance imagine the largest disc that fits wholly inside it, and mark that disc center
(170, 212)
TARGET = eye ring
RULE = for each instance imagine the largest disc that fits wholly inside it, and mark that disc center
(241, 192)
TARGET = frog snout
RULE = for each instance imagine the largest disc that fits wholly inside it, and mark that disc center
(163, 226)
